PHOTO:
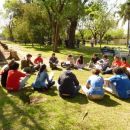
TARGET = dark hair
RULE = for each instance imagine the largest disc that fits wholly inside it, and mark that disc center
(96, 71)
(95, 54)
(42, 68)
(68, 67)
(15, 66)
(69, 55)
(126, 71)
(118, 70)
(81, 59)
(28, 55)
(105, 56)
(10, 63)
(53, 54)
(123, 59)
(117, 57)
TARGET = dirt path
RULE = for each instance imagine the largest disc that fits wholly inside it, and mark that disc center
(22, 52)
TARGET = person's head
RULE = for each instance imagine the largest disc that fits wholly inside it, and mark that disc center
(96, 71)
(39, 55)
(15, 66)
(68, 68)
(29, 56)
(123, 59)
(53, 54)
(81, 57)
(118, 71)
(116, 58)
(105, 57)
(42, 68)
(10, 63)
(69, 56)
(95, 55)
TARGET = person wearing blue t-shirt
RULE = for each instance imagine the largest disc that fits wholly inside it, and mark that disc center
(42, 77)
(94, 87)
(119, 84)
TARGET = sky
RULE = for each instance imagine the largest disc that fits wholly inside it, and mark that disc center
(112, 5)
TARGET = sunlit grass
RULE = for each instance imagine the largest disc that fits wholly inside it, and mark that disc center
(55, 113)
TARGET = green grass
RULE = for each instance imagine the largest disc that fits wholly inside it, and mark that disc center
(55, 113)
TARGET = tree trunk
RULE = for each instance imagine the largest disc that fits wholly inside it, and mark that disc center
(128, 32)
(55, 36)
(11, 33)
(71, 33)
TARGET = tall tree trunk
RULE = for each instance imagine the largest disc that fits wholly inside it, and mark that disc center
(11, 37)
(71, 32)
(55, 36)
(128, 32)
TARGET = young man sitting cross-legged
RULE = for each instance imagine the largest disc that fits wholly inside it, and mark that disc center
(68, 84)
(118, 84)
(16, 79)
(94, 87)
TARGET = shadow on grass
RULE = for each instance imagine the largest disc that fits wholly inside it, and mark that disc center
(7, 121)
(107, 101)
(24, 94)
(51, 92)
(80, 98)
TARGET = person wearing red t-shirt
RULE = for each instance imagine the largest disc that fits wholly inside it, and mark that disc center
(124, 63)
(116, 63)
(16, 79)
(38, 60)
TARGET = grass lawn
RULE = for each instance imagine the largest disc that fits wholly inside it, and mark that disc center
(29, 110)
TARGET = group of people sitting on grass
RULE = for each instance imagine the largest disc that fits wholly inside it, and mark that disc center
(68, 85)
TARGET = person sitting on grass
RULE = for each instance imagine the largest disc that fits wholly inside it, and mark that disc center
(38, 60)
(68, 84)
(53, 62)
(70, 62)
(103, 63)
(16, 79)
(4, 72)
(94, 87)
(124, 63)
(28, 66)
(40, 82)
(80, 63)
(119, 84)
(93, 60)
(116, 63)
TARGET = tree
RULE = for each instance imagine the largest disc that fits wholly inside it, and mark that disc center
(99, 21)
(76, 11)
(56, 14)
(125, 14)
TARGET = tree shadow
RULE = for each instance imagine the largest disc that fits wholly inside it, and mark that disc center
(80, 98)
(52, 91)
(125, 100)
(107, 101)
(24, 94)
(7, 121)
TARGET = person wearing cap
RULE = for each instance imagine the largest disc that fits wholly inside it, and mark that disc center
(68, 84)
(53, 61)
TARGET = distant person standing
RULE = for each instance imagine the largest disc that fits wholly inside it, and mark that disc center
(92, 42)
(78, 43)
